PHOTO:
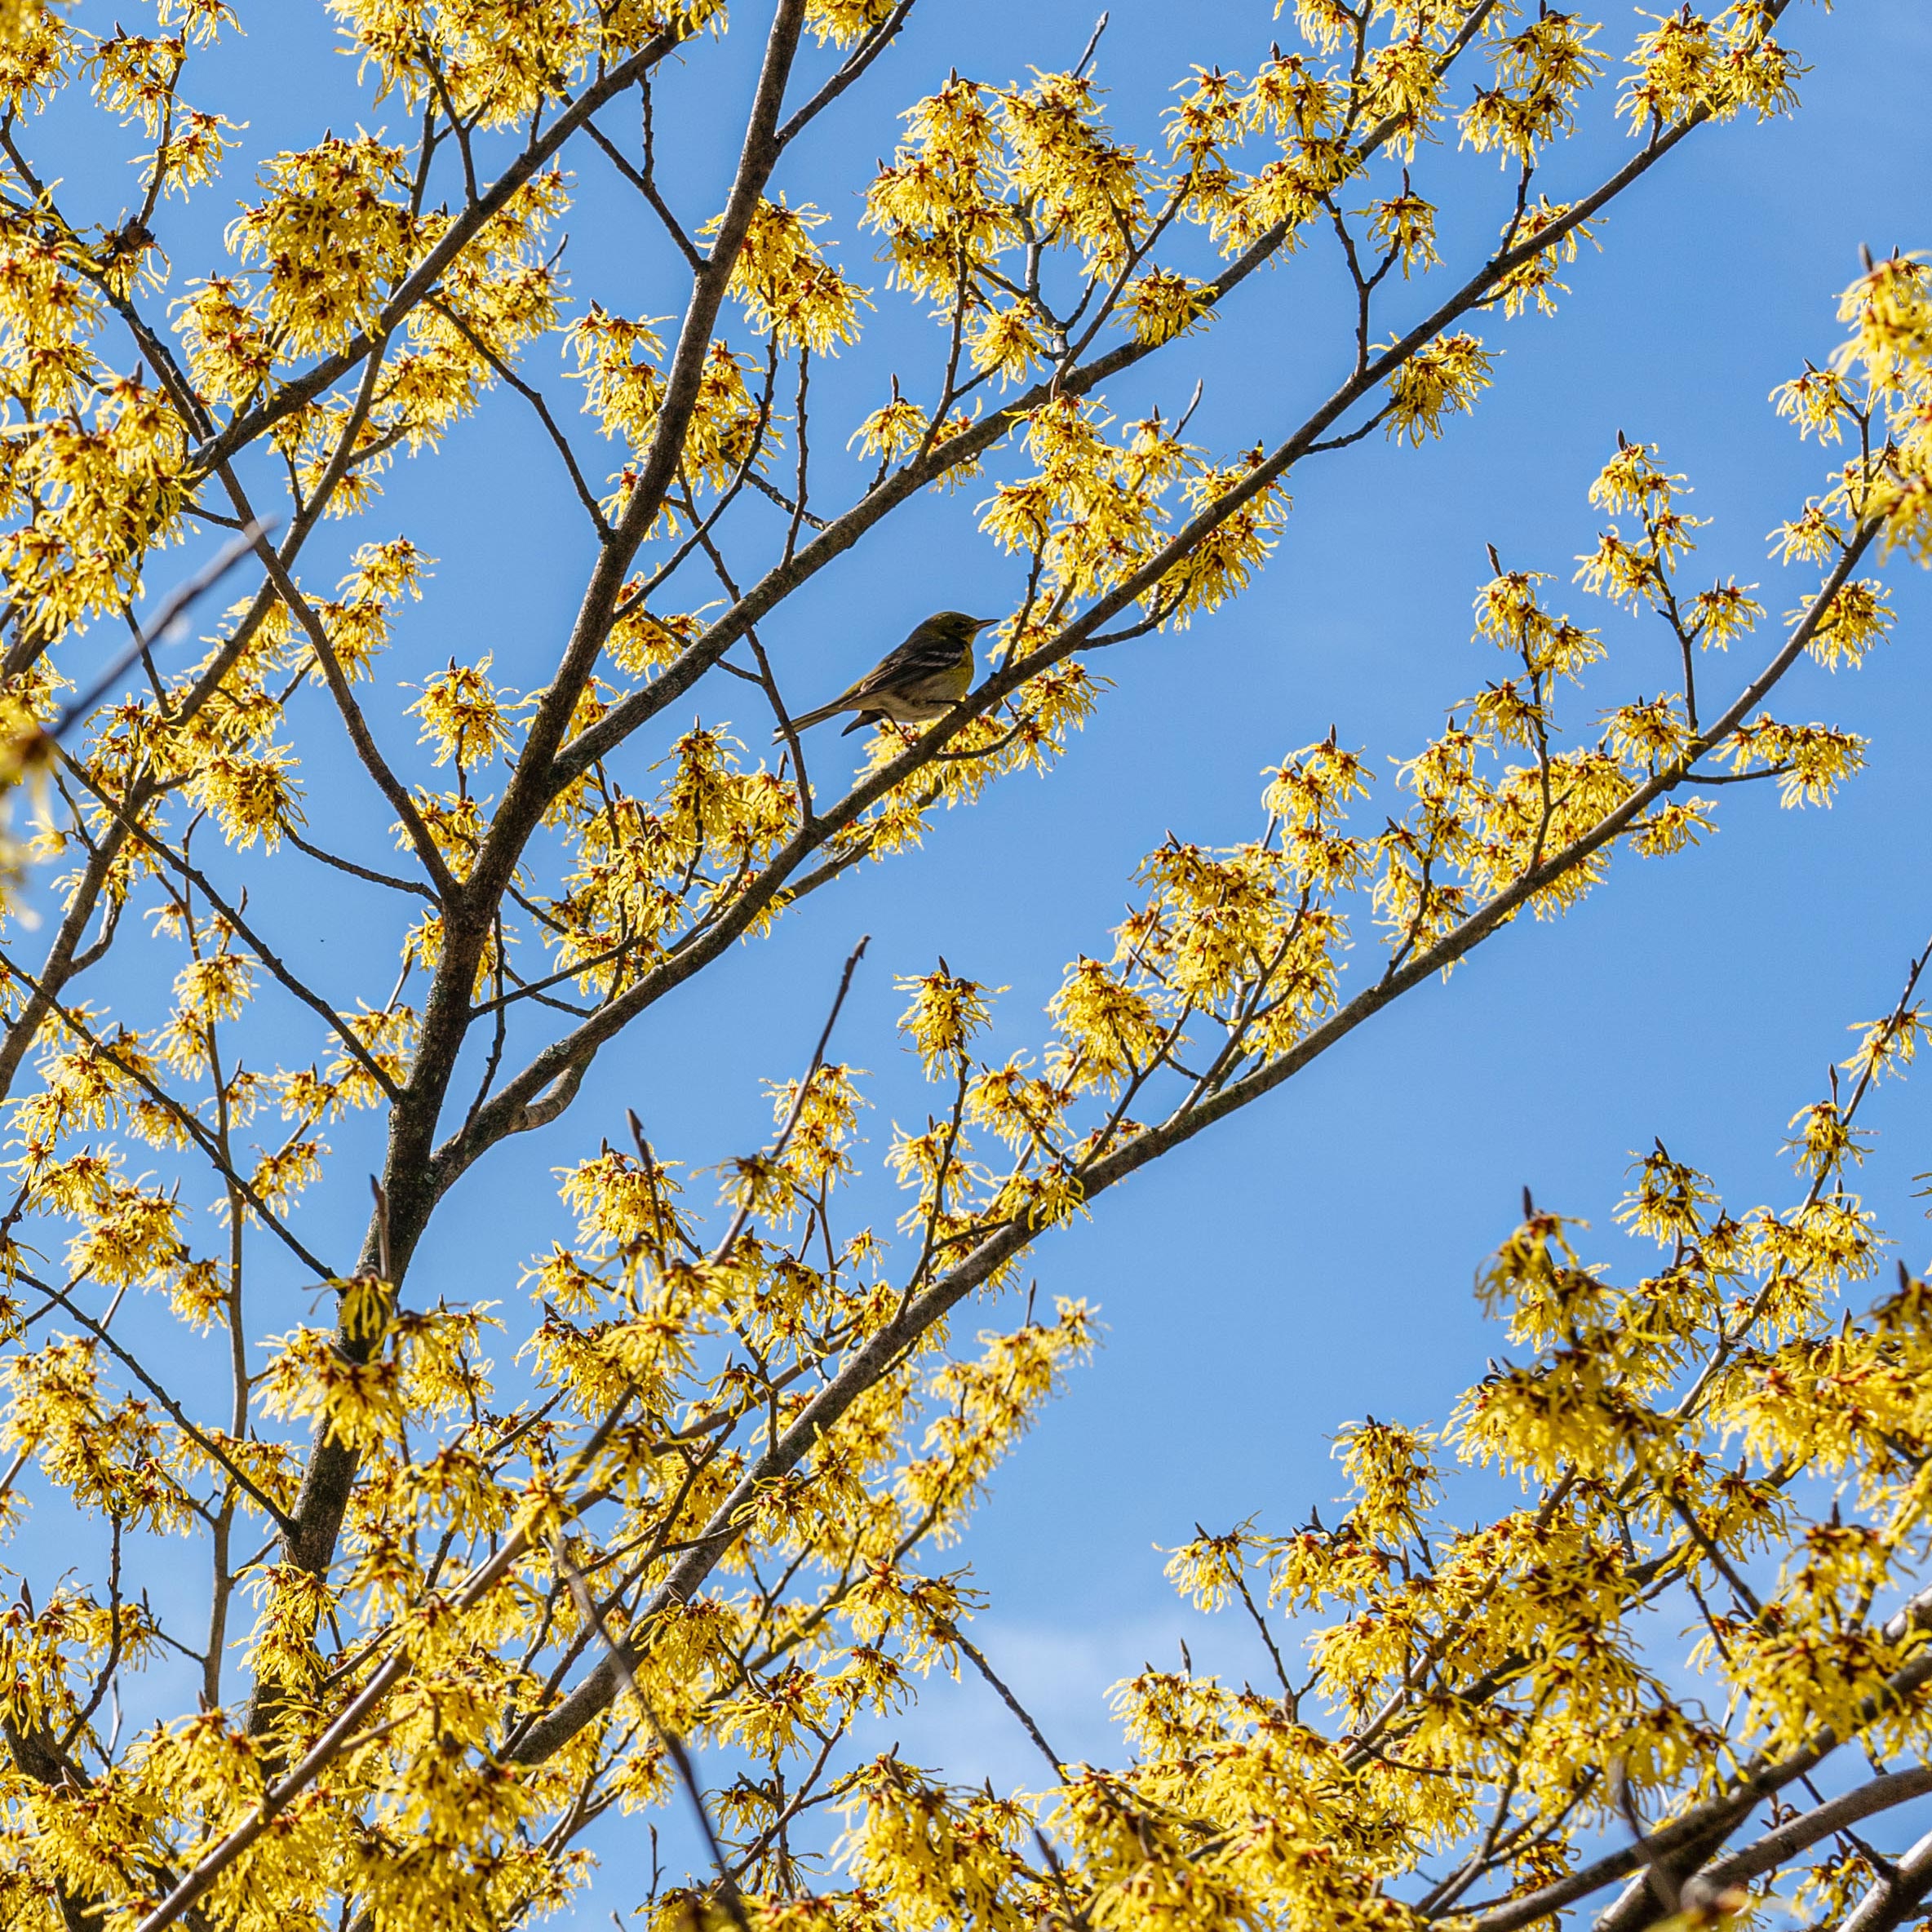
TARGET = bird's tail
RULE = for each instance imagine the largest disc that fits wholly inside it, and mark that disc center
(804, 719)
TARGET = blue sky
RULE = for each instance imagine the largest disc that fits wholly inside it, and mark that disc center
(1311, 1261)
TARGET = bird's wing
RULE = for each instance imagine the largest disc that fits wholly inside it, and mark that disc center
(923, 654)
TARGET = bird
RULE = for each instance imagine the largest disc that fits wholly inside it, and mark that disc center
(923, 679)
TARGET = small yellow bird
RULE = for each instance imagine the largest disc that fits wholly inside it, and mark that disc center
(922, 680)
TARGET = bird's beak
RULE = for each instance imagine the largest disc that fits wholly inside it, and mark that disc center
(980, 624)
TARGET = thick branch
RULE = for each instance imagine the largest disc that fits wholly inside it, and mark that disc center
(1895, 1899)
(1776, 1847)
(332, 1468)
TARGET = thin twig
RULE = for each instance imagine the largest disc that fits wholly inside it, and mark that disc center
(1007, 1698)
(674, 1745)
(168, 624)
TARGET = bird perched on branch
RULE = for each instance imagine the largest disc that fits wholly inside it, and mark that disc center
(923, 679)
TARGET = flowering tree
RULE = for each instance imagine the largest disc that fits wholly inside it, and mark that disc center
(686, 1543)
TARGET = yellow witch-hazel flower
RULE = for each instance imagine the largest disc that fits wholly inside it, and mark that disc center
(945, 1014)
(789, 290)
(1447, 376)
